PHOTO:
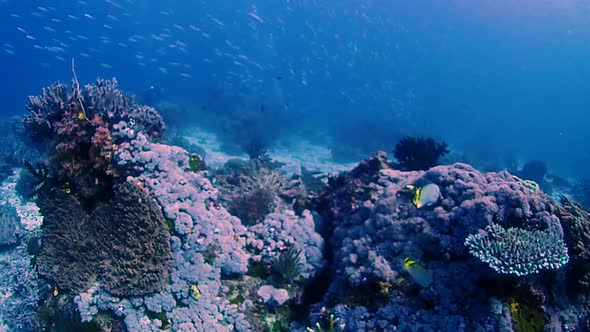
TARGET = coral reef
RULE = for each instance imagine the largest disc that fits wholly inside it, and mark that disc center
(418, 153)
(207, 244)
(11, 229)
(18, 292)
(371, 226)
(581, 193)
(19, 284)
(534, 170)
(13, 149)
(280, 232)
(83, 128)
(273, 296)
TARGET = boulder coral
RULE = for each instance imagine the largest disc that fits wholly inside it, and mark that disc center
(371, 225)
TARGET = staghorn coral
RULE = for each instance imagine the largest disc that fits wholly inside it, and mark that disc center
(82, 129)
(418, 153)
(123, 243)
(519, 251)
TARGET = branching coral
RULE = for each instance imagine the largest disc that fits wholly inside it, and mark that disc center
(519, 251)
(82, 129)
(418, 153)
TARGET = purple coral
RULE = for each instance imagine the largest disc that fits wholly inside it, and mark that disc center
(372, 225)
(207, 242)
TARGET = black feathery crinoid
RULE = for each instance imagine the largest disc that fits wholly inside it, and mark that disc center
(36, 180)
(288, 264)
(418, 153)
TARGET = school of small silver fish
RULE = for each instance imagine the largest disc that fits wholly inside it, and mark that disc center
(301, 46)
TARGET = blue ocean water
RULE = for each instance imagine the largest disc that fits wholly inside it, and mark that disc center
(492, 78)
(502, 83)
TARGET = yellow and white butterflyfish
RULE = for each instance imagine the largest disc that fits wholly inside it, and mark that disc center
(425, 195)
(419, 274)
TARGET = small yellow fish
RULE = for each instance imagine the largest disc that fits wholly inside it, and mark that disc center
(81, 115)
(55, 291)
(425, 195)
(420, 275)
(195, 292)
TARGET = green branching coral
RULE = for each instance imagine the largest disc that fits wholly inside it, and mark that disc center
(333, 325)
(519, 251)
